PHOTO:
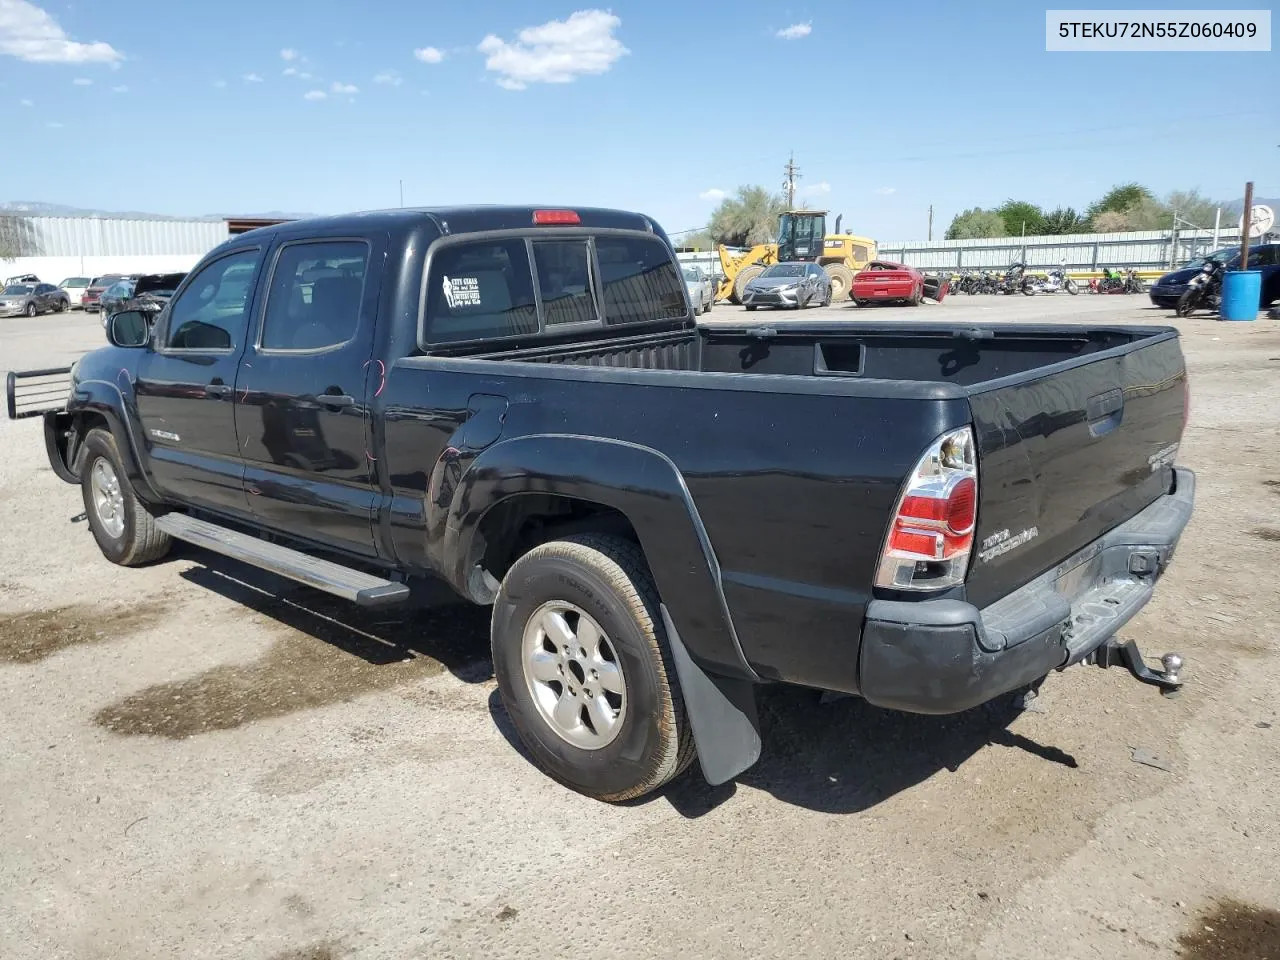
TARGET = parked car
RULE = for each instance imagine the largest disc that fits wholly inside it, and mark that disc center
(148, 294)
(793, 285)
(701, 293)
(97, 286)
(883, 281)
(31, 299)
(75, 288)
(662, 514)
(1166, 291)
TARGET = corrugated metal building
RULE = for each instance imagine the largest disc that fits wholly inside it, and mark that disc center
(54, 248)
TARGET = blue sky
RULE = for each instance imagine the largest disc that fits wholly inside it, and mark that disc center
(254, 105)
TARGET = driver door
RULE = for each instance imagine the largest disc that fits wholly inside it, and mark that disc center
(186, 384)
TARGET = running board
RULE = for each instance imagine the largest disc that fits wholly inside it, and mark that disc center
(361, 588)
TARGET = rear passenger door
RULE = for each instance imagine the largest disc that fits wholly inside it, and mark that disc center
(301, 414)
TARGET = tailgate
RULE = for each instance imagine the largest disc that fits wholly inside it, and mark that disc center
(1069, 454)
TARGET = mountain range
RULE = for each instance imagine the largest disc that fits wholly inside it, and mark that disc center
(37, 208)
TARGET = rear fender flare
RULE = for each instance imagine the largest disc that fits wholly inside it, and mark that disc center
(639, 482)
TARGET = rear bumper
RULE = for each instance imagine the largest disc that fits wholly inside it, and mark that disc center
(944, 656)
(892, 290)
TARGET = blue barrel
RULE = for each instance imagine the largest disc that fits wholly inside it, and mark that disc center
(1241, 291)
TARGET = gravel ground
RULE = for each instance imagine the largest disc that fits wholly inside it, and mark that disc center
(201, 761)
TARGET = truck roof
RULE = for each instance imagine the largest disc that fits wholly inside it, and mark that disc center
(464, 219)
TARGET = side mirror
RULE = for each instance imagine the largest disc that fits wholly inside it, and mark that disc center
(128, 328)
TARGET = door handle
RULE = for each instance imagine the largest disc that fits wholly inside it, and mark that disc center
(336, 400)
(217, 389)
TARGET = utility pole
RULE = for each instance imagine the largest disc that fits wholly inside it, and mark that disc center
(1246, 222)
(793, 174)
(931, 221)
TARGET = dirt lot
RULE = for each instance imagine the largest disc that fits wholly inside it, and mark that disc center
(201, 761)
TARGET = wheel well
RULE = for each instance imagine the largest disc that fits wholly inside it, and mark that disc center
(518, 524)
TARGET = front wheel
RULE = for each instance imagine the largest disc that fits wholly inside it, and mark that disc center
(1186, 304)
(31, 309)
(126, 532)
(584, 668)
(1072, 287)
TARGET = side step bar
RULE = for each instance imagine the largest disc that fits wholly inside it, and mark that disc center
(361, 588)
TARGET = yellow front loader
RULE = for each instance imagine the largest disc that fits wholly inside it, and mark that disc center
(802, 235)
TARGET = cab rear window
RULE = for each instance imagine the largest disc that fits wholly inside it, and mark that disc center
(509, 287)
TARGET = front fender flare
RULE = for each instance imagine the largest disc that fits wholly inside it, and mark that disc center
(639, 482)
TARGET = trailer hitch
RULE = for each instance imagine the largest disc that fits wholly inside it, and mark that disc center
(1127, 655)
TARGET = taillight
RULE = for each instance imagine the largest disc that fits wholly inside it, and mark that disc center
(556, 217)
(931, 535)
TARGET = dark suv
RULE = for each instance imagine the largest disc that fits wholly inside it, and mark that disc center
(1265, 257)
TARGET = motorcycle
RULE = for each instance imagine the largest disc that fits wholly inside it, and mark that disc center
(1132, 282)
(1055, 281)
(1203, 290)
(1016, 280)
(1112, 281)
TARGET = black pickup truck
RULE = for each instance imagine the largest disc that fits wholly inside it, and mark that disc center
(662, 516)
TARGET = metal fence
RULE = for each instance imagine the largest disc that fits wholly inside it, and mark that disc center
(1151, 250)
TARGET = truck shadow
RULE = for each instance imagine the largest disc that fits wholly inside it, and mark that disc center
(845, 756)
(434, 624)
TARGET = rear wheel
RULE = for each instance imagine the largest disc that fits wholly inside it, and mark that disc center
(1186, 304)
(841, 281)
(584, 668)
(126, 532)
(1072, 287)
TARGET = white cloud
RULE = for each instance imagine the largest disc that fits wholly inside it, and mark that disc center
(885, 191)
(389, 78)
(813, 188)
(80, 81)
(220, 84)
(27, 103)
(30, 34)
(120, 89)
(54, 125)
(314, 95)
(795, 31)
(429, 54)
(288, 53)
(252, 78)
(558, 51)
(346, 89)
(714, 193)
(295, 72)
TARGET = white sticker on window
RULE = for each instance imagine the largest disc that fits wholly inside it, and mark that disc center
(461, 292)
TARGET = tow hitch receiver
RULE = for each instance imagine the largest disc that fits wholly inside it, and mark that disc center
(1127, 655)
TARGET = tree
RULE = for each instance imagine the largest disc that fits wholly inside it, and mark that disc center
(1192, 206)
(17, 238)
(975, 223)
(748, 218)
(1063, 220)
(1117, 199)
(1111, 221)
(698, 240)
(1149, 214)
(1020, 217)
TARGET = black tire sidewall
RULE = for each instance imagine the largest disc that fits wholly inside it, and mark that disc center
(633, 756)
(97, 446)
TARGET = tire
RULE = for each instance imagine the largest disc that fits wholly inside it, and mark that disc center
(607, 580)
(31, 310)
(63, 306)
(1072, 287)
(841, 281)
(826, 301)
(125, 530)
(745, 276)
(1186, 304)
(1028, 288)
(750, 307)
(916, 297)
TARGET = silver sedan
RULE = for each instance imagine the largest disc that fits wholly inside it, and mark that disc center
(702, 293)
(29, 299)
(792, 285)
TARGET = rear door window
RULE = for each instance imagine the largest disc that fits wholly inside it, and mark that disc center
(480, 291)
(639, 280)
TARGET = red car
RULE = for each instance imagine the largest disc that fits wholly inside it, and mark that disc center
(93, 293)
(883, 281)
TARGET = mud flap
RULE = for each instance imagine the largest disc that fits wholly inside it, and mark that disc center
(722, 712)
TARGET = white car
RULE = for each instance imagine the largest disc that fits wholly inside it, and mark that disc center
(75, 287)
(702, 293)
